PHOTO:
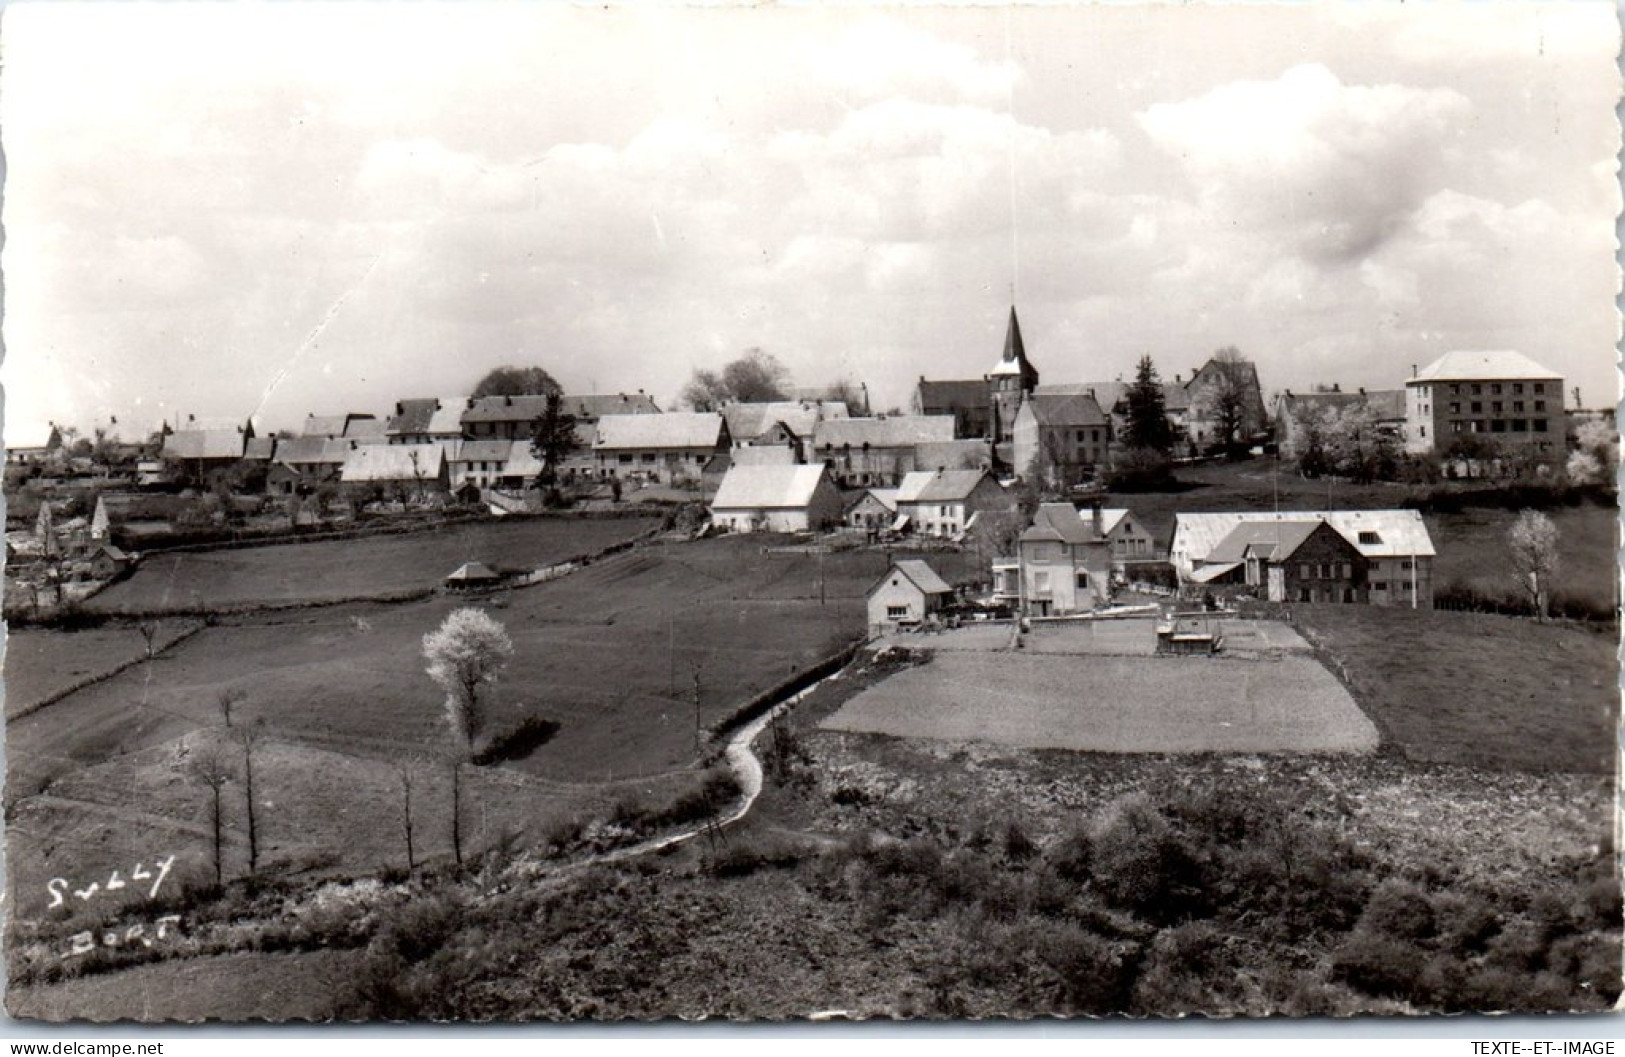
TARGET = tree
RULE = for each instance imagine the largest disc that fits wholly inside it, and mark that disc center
(1148, 425)
(516, 381)
(755, 377)
(207, 766)
(466, 654)
(149, 633)
(552, 438)
(1233, 383)
(248, 737)
(1596, 455)
(227, 701)
(1533, 543)
(404, 768)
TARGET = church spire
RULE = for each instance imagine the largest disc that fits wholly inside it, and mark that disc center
(1014, 351)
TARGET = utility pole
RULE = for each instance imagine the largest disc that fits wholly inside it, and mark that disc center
(696, 671)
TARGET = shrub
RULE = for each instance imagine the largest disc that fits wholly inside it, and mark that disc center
(531, 734)
(1186, 970)
(743, 855)
(1138, 862)
(1399, 909)
(1097, 975)
(1379, 965)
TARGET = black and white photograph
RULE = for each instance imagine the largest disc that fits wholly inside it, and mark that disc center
(531, 512)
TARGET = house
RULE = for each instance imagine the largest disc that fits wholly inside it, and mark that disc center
(1502, 397)
(402, 471)
(1112, 399)
(202, 450)
(969, 402)
(876, 451)
(259, 449)
(1389, 560)
(1130, 541)
(125, 514)
(943, 502)
(425, 420)
(1298, 414)
(910, 592)
(501, 417)
(332, 427)
(673, 447)
(1061, 436)
(776, 499)
(775, 422)
(1062, 565)
(316, 459)
(479, 462)
(470, 576)
(107, 561)
(873, 509)
(1224, 389)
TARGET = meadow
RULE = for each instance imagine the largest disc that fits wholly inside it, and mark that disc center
(369, 567)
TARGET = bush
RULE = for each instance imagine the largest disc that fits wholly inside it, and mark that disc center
(1187, 970)
(1398, 909)
(1379, 965)
(531, 734)
(1138, 862)
(1097, 975)
(741, 856)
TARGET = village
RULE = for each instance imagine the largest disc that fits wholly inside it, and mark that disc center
(1153, 526)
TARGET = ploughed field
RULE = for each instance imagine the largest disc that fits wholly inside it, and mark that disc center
(606, 659)
(372, 567)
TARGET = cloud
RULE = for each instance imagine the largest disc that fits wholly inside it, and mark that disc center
(1338, 167)
(880, 58)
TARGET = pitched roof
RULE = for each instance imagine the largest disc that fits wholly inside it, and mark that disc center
(919, 574)
(1383, 403)
(1014, 360)
(394, 462)
(481, 450)
(939, 486)
(473, 571)
(953, 454)
(596, 405)
(1060, 521)
(367, 430)
(447, 421)
(504, 409)
(970, 394)
(204, 444)
(1110, 518)
(1113, 396)
(303, 450)
(259, 448)
(412, 415)
(671, 429)
(1398, 533)
(1267, 539)
(801, 417)
(324, 425)
(1058, 410)
(521, 461)
(895, 431)
(763, 487)
(1496, 365)
(886, 497)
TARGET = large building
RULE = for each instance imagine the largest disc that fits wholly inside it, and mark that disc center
(1010, 382)
(1503, 397)
(1063, 563)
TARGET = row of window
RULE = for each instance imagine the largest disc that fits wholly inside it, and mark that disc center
(1325, 571)
(1496, 388)
(1497, 407)
(649, 458)
(1498, 425)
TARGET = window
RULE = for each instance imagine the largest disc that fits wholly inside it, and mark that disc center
(625, 459)
(1348, 571)
(1539, 425)
(1477, 389)
(1540, 405)
(1455, 390)
(1496, 407)
(1540, 388)
(1303, 594)
(1083, 581)
(1424, 430)
(1455, 407)
(1517, 388)
(1405, 566)
(1379, 585)
(1478, 407)
(1369, 536)
(1455, 427)
(1520, 425)
(896, 612)
(1517, 405)
(1498, 426)
(1495, 389)
(1303, 572)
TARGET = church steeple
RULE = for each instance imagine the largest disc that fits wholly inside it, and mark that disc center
(1011, 379)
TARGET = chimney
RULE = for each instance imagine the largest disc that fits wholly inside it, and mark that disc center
(1337, 387)
(1413, 370)
(1362, 390)
(1096, 517)
(507, 401)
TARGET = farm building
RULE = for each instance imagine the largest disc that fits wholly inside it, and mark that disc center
(910, 592)
(752, 424)
(968, 401)
(478, 462)
(398, 470)
(201, 450)
(1063, 564)
(670, 448)
(317, 458)
(874, 509)
(876, 451)
(776, 499)
(1388, 559)
(131, 513)
(332, 427)
(943, 502)
(471, 576)
(1297, 415)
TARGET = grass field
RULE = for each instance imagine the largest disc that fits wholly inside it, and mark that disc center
(609, 653)
(1472, 546)
(367, 567)
(1500, 693)
(1115, 704)
(39, 664)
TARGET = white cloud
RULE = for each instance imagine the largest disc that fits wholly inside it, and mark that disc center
(879, 58)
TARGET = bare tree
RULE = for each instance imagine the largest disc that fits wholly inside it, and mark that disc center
(1233, 383)
(1533, 543)
(226, 701)
(149, 634)
(466, 654)
(248, 737)
(207, 766)
(404, 768)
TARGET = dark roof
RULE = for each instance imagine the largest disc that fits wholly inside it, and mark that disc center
(920, 574)
(505, 409)
(1275, 540)
(1113, 396)
(1060, 521)
(597, 405)
(968, 394)
(412, 416)
(1055, 409)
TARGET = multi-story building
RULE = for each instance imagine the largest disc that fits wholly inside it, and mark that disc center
(1062, 565)
(1503, 397)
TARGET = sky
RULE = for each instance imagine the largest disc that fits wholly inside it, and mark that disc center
(277, 210)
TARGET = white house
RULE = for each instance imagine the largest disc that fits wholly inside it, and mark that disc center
(942, 502)
(776, 499)
(908, 593)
